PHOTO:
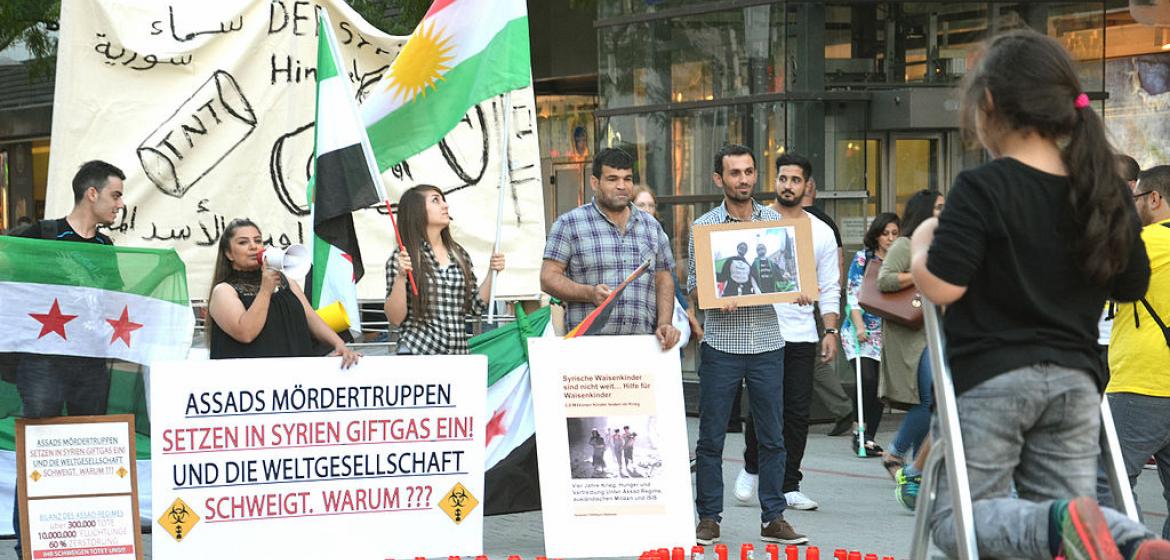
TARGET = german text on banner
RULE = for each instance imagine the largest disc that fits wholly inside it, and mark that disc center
(612, 445)
(78, 488)
(382, 460)
(209, 108)
(82, 299)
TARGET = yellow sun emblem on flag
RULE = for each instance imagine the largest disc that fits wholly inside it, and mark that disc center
(421, 63)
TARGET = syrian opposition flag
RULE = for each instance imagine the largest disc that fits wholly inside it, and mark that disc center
(595, 320)
(461, 53)
(511, 480)
(342, 182)
(83, 299)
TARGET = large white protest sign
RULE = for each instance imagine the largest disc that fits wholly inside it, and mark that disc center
(209, 109)
(382, 460)
(612, 445)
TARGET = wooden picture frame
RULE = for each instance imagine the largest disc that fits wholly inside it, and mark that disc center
(22, 478)
(726, 272)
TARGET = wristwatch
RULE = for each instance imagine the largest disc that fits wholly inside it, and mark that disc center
(830, 330)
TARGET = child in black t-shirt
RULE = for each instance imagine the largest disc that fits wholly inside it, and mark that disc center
(1024, 255)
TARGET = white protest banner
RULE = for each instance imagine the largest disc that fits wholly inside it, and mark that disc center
(209, 109)
(77, 487)
(612, 445)
(386, 458)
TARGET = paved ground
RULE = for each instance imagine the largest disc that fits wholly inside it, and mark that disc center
(857, 510)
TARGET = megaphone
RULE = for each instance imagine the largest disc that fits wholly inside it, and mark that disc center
(294, 261)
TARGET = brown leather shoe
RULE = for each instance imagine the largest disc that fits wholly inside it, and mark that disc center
(779, 531)
(707, 532)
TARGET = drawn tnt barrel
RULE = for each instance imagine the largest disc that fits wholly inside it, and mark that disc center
(198, 135)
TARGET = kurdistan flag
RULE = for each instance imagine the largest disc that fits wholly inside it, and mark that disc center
(342, 182)
(461, 53)
(83, 299)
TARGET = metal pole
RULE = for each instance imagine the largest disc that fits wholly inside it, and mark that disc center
(505, 176)
(955, 458)
(861, 449)
(925, 506)
(1115, 466)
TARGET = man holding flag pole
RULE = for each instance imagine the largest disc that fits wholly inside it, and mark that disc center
(610, 242)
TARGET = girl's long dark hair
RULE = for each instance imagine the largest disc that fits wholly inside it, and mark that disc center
(1026, 81)
(223, 267)
(412, 225)
(918, 209)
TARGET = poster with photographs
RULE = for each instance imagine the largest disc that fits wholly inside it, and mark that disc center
(754, 263)
(612, 445)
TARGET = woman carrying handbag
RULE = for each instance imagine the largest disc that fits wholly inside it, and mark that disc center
(905, 374)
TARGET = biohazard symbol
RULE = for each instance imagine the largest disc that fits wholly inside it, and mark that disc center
(178, 520)
(458, 503)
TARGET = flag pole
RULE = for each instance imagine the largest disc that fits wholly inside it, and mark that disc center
(505, 177)
(367, 150)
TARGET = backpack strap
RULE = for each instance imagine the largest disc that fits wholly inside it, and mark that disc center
(1158, 320)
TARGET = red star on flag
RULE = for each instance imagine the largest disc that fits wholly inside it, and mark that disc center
(495, 426)
(53, 321)
(123, 327)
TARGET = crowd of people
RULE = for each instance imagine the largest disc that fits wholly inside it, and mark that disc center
(1024, 254)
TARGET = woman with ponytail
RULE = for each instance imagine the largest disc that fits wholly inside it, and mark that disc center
(1024, 255)
(433, 319)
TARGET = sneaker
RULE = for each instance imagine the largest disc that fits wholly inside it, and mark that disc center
(797, 500)
(1084, 534)
(779, 531)
(907, 490)
(1151, 464)
(1152, 549)
(707, 532)
(745, 486)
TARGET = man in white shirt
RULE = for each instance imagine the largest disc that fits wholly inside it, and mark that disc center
(799, 329)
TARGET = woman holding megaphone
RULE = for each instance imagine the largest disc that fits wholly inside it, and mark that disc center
(254, 311)
(432, 320)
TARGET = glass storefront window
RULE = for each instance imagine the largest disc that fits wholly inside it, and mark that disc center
(915, 164)
(694, 58)
(1080, 27)
(565, 126)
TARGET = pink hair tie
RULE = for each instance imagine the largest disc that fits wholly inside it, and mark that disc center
(1082, 101)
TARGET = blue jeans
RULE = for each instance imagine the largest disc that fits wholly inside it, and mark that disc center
(916, 424)
(720, 374)
(1037, 426)
(1143, 431)
(49, 383)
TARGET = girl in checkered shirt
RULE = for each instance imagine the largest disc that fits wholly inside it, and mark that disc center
(432, 319)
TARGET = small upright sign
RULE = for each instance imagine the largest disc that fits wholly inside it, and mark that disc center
(77, 487)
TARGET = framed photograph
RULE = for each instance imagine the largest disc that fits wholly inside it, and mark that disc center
(754, 263)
